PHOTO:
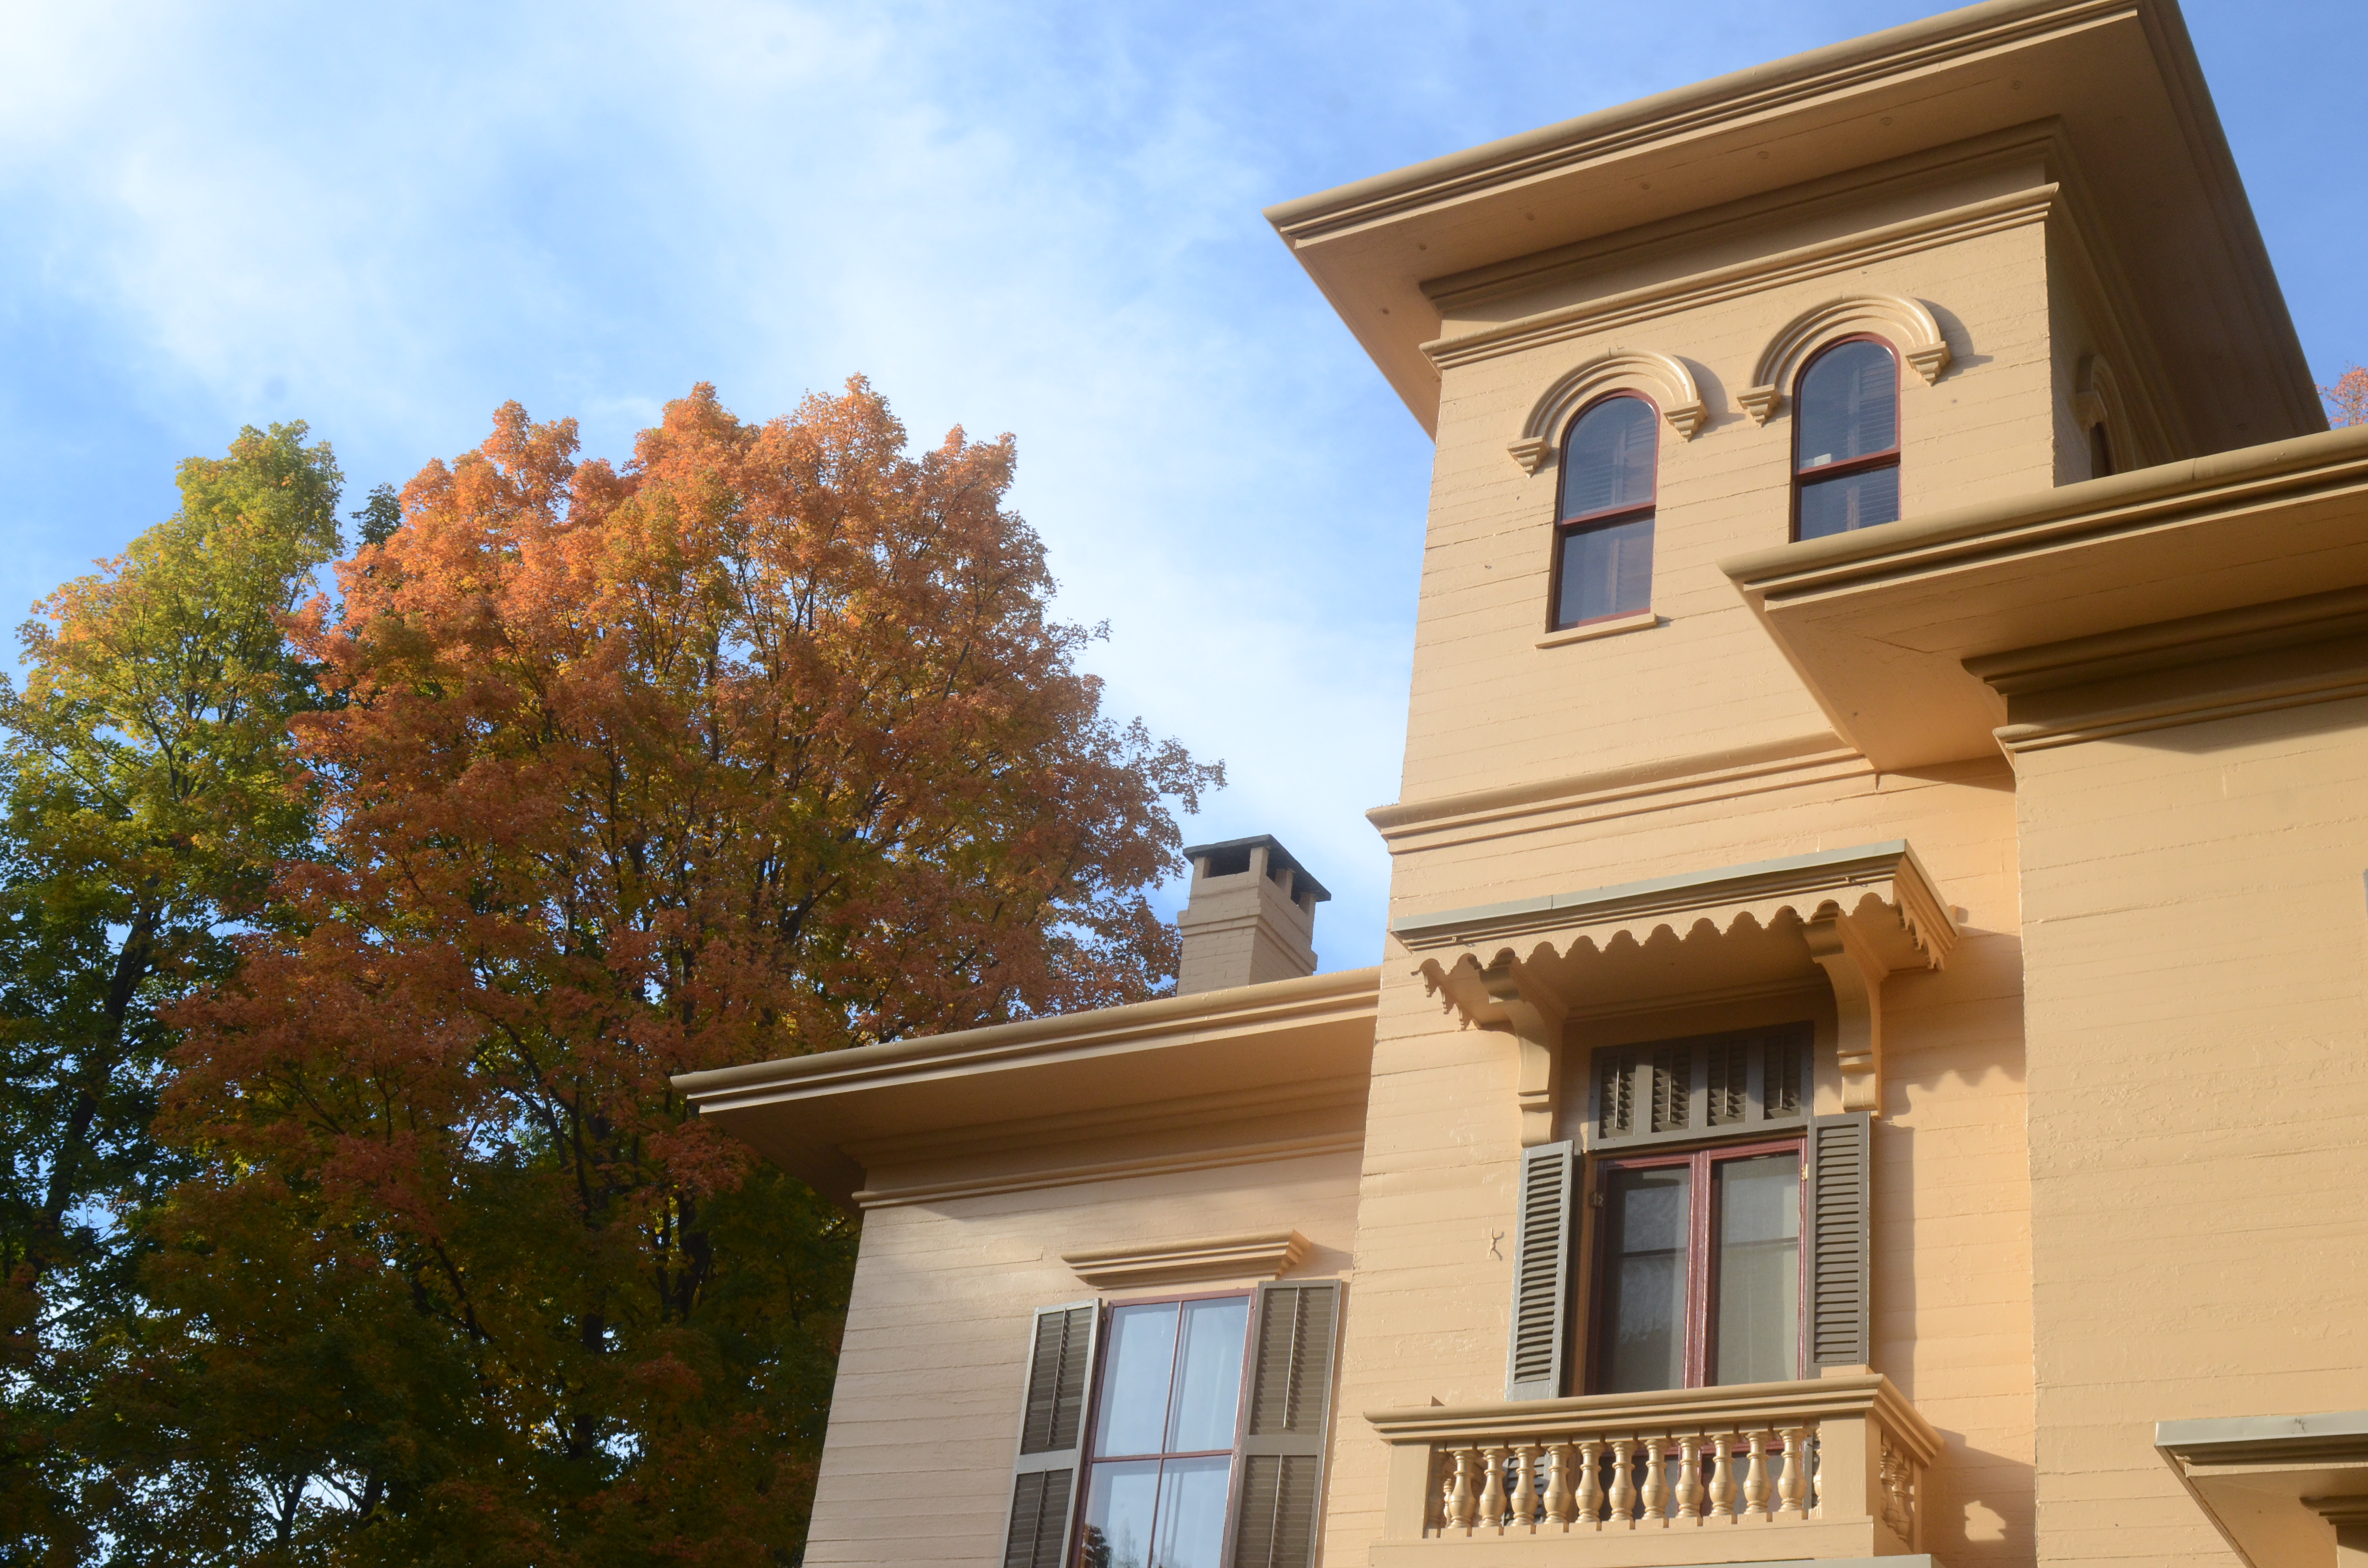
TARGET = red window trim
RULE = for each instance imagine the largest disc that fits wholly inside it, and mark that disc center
(1579, 522)
(1888, 458)
(1700, 1222)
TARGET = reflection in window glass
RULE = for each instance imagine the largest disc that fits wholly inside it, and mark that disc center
(1847, 413)
(1209, 1379)
(1849, 405)
(1191, 1532)
(1119, 1511)
(1850, 501)
(1607, 459)
(1134, 1414)
(1645, 1316)
(1759, 1268)
(1606, 571)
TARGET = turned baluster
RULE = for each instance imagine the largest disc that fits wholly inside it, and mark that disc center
(1893, 1477)
(1590, 1484)
(1817, 1475)
(1690, 1481)
(1492, 1488)
(1755, 1476)
(1525, 1487)
(1558, 1486)
(1623, 1482)
(1793, 1480)
(1654, 1494)
(1461, 1504)
(1721, 1480)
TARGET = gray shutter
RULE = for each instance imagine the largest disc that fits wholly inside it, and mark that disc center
(1291, 1357)
(1536, 1360)
(1052, 1436)
(1840, 1151)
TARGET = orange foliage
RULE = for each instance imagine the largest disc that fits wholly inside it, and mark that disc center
(764, 744)
(2347, 399)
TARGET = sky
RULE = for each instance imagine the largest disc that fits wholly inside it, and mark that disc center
(1041, 219)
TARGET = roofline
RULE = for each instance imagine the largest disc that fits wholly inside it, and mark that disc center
(1335, 994)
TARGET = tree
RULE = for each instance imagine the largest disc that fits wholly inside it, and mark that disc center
(766, 744)
(146, 806)
(2347, 399)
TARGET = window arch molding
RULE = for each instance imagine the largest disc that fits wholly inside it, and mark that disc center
(1905, 324)
(2097, 405)
(1663, 382)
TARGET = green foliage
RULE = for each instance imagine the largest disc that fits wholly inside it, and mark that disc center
(146, 804)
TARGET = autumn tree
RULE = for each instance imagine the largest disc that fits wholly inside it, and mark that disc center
(765, 743)
(2347, 399)
(146, 806)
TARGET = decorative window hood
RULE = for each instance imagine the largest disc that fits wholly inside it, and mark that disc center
(1263, 1254)
(1524, 966)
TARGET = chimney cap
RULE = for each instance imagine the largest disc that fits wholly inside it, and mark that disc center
(1275, 855)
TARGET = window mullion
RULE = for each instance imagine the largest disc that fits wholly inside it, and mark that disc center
(1698, 1273)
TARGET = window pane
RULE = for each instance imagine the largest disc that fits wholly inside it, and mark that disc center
(1853, 501)
(1607, 459)
(1134, 1379)
(1192, 1529)
(1848, 405)
(1644, 1308)
(1606, 571)
(1119, 1515)
(1209, 1375)
(1759, 1268)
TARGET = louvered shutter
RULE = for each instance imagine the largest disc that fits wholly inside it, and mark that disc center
(1282, 1441)
(1840, 1151)
(1534, 1363)
(1052, 1436)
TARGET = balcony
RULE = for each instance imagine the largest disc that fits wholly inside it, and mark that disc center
(1825, 1468)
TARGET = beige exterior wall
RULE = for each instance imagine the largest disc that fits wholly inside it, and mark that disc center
(2194, 926)
(925, 1417)
(1950, 1225)
(1489, 708)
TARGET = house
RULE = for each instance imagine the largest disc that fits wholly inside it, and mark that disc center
(1868, 1056)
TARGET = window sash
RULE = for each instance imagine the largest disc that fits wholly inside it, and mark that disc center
(1702, 1261)
(1098, 1465)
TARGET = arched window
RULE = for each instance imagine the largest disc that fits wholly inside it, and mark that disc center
(1846, 440)
(1603, 522)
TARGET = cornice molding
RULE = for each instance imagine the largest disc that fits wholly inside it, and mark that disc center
(1686, 113)
(1230, 1109)
(1339, 996)
(1260, 1255)
(1842, 253)
(1474, 815)
(1908, 324)
(1665, 381)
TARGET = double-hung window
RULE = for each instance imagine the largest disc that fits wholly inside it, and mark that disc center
(1603, 529)
(1163, 1454)
(1195, 1441)
(1846, 440)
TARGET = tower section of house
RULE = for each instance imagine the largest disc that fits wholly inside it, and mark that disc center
(1867, 1058)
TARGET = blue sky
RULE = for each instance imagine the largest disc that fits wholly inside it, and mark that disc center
(1041, 219)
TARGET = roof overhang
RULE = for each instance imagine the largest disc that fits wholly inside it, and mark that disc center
(2119, 78)
(2279, 1488)
(1916, 636)
(821, 1117)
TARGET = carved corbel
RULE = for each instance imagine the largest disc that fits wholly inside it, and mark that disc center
(1857, 973)
(1535, 1012)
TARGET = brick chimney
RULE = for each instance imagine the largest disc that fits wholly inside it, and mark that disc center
(1251, 916)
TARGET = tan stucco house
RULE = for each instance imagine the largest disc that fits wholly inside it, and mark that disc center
(1868, 1058)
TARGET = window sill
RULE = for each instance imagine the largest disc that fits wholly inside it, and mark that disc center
(1589, 632)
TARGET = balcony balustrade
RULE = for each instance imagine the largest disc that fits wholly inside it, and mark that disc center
(1824, 1468)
